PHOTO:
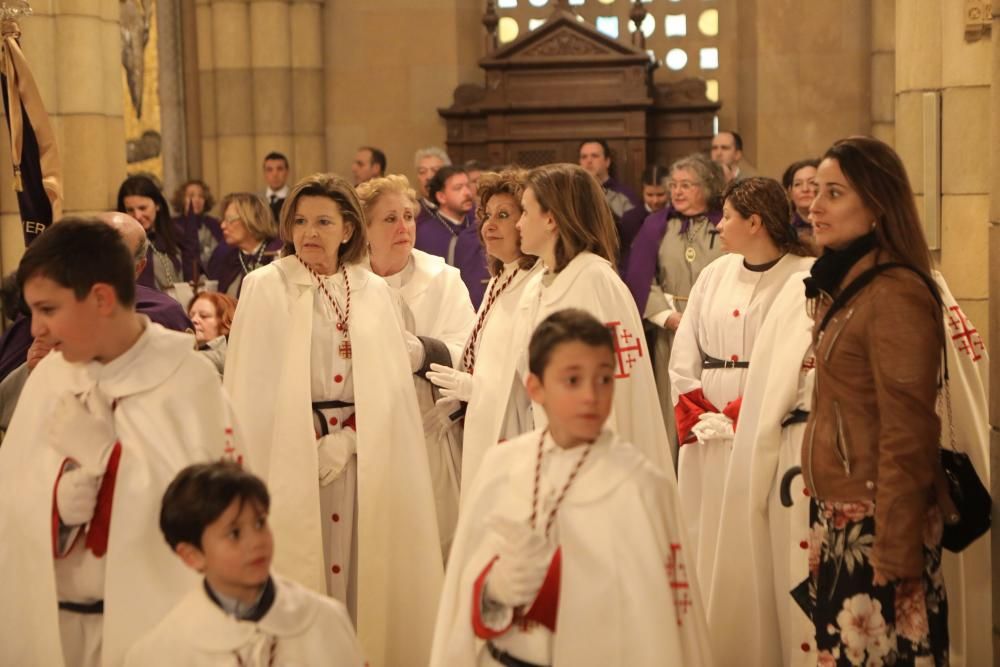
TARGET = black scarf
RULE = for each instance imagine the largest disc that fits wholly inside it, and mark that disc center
(829, 270)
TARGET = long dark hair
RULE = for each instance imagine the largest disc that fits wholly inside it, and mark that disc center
(766, 198)
(877, 174)
(144, 186)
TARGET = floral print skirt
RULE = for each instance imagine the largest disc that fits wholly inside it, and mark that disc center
(859, 623)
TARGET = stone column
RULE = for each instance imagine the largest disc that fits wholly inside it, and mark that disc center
(883, 73)
(254, 57)
(74, 54)
(994, 339)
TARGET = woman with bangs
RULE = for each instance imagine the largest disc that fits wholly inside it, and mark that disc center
(320, 380)
(437, 317)
(495, 409)
(566, 222)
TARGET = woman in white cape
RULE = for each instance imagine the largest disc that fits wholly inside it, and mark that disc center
(495, 410)
(753, 618)
(568, 225)
(716, 336)
(318, 370)
(437, 315)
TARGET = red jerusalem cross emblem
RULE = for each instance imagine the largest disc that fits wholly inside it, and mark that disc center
(628, 349)
(966, 338)
(679, 587)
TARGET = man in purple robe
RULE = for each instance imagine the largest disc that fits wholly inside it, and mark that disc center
(427, 161)
(595, 157)
(451, 232)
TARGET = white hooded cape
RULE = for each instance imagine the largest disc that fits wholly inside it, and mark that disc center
(170, 413)
(309, 629)
(742, 611)
(268, 376)
(491, 397)
(590, 283)
(620, 536)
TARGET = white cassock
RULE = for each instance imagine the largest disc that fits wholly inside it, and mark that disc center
(499, 408)
(591, 284)
(436, 304)
(763, 548)
(725, 310)
(303, 627)
(168, 411)
(756, 622)
(624, 597)
(375, 525)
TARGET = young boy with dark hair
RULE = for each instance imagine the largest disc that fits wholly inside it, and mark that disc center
(569, 551)
(214, 516)
(103, 424)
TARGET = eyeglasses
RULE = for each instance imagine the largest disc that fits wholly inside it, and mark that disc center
(231, 221)
(683, 186)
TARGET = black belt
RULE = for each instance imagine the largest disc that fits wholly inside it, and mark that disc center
(712, 362)
(796, 416)
(506, 659)
(317, 406)
(83, 607)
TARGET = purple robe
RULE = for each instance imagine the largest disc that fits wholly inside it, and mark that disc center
(225, 265)
(156, 305)
(459, 245)
(628, 227)
(641, 269)
(184, 263)
(614, 184)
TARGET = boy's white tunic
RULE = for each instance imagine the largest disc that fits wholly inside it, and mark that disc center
(169, 412)
(309, 629)
(625, 595)
(436, 304)
(393, 553)
(756, 621)
(499, 408)
(590, 283)
(726, 309)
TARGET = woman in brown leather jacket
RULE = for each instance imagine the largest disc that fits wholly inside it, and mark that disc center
(870, 452)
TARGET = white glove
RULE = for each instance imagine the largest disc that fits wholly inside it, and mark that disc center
(523, 562)
(415, 350)
(334, 452)
(713, 426)
(80, 435)
(454, 384)
(437, 420)
(76, 496)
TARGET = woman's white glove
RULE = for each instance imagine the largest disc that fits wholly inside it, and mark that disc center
(334, 452)
(437, 420)
(523, 561)
(76, 496)
(713, 426)
(454, 384)
(415, 351)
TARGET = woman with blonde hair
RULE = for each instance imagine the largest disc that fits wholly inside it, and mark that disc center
(251, 241)
(437, 316)
(492, 406)
(320, 380)
(566, 222)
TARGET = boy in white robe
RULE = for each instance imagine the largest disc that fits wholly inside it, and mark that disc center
(214, 516)
(570, 549)
(104, 423)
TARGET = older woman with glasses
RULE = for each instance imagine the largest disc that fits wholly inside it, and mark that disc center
(668, 254)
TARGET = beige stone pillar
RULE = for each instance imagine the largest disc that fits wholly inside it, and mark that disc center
(883, 73)
(255, 56)
(73, 48)
(933, 55)
(994, 339)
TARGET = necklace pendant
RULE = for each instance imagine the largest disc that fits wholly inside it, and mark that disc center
(690, 255)
(345, 349)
